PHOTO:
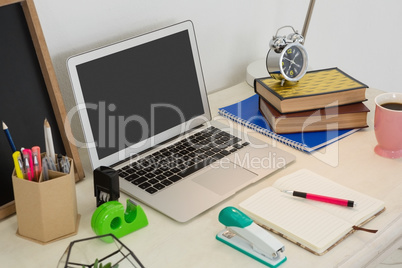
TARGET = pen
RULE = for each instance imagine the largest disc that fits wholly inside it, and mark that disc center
(50, 164)
(47, 164)
(19, 167)
(63, 164)
(66, 165)
(27, 155)
(321, 198)
(59, 164)
(8, 135)
(45, 171)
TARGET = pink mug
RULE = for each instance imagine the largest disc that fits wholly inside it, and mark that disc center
(388, 125)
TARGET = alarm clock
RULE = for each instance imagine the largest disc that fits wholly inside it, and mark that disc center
(287, 59)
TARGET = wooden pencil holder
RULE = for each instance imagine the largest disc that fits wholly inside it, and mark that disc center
(46, 210)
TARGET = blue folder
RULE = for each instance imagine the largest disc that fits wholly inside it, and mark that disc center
(246, 113)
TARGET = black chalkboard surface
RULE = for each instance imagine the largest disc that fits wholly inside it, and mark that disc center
(29, 93)
(24, 101)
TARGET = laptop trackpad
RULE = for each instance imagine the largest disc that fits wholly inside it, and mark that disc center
(224, 179)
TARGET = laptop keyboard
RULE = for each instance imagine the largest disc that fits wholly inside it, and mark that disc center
(169, 165)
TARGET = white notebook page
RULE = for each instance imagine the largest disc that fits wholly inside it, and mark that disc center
(315, 224)
(307, 181)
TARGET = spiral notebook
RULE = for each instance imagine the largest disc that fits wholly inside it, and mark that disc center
(247, 114)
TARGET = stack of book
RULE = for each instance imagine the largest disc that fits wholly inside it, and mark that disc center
(323, 100)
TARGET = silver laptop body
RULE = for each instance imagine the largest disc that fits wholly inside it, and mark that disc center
(145, 94)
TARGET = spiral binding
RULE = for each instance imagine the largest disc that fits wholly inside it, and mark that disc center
(264, 131)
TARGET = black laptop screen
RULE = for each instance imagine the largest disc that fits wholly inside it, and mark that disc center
(139, 92)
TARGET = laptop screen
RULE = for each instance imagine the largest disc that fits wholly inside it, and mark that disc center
(140, 94)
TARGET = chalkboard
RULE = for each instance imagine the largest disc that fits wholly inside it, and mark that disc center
(28, 92)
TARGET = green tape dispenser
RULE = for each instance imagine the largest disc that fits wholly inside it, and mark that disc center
(110, 218)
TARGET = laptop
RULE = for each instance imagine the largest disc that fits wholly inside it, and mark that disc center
(144, 111)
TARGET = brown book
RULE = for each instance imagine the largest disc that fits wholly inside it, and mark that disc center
(339, 117)
(317, 89)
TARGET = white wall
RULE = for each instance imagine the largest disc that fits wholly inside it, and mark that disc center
(362, 37)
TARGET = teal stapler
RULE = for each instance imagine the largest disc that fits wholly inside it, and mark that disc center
(244, 235)
(110, 218)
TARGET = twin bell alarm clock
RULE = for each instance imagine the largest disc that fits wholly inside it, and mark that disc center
(287, 58)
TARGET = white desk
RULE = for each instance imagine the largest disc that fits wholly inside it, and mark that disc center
(165, 243)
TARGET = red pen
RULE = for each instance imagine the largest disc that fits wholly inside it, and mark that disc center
(321, 198)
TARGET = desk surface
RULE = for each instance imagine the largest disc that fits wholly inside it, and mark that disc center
(166, 243)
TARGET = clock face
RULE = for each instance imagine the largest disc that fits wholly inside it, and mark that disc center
(293, 61)
(289, 64)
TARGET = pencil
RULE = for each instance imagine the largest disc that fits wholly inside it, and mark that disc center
(8, 135)
(49, 141)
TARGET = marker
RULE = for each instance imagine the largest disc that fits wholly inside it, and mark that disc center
(37, 162)
(321, 198)
(19, 167)
(28, 163)
(8, 135)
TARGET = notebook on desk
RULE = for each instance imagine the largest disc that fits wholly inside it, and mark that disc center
(315, 226)
(246, 113)
(144, 110)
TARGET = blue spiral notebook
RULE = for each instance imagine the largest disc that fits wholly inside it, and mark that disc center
(247, 114)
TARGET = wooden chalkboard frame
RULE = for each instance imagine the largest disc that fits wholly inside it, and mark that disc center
(53, 90)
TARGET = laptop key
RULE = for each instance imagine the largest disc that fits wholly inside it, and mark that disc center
(215, 150)
(150, 175)
(141, 172)
(159, 186)
(191, 170)
(174, 178)
(180, 147)
(209, 153)
(225, 152)
(130, 170)
(168, 173)
(218, 156)
(160, 177)
(153, 181)
(164, 168)
(132, 177)
(139, 181)
(123, 174)
(157, 171)
(237, 146)
(151, 190)
(184, 152)
(166, 182)
(149, 168)
(175, 170)
(144, 185)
